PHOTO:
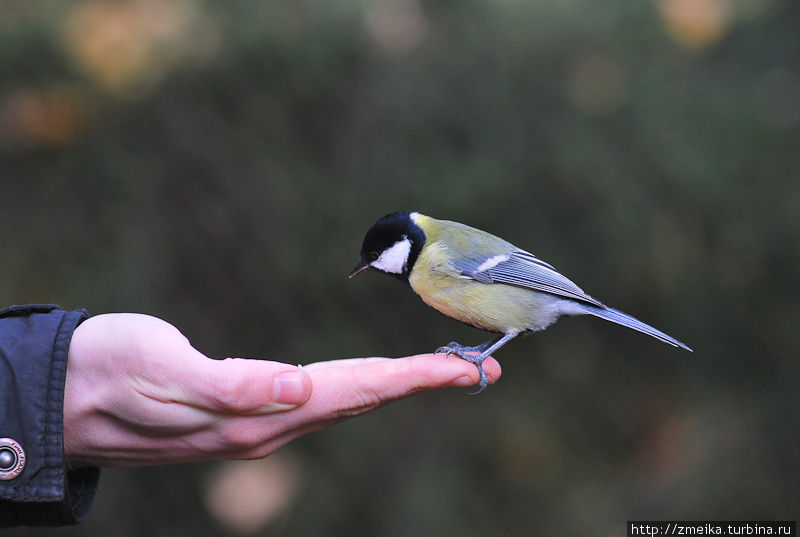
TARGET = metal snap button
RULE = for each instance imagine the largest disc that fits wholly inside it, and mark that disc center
(12, 459)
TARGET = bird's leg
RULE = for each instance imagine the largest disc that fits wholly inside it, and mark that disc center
(484, 350)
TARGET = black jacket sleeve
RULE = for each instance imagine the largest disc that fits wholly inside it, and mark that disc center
(36, 487)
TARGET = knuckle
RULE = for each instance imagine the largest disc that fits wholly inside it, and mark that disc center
(361, 401)
(228, 393)
(228, 398)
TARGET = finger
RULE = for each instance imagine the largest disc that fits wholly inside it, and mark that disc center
(246, 386)
(344, 389)
(352, 387)
(383, 380)
(431, 366)
(345, 362)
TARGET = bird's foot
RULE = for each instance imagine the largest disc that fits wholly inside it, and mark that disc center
(461, 351)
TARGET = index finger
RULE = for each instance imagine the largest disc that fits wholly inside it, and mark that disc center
(354, 386)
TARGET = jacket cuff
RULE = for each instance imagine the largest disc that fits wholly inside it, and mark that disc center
(34, 347)
(73, 508)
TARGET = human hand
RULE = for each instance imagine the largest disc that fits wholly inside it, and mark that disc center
(137, 393)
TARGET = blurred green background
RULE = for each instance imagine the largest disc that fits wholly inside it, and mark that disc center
(217, 164)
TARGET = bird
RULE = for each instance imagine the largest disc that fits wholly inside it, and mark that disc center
(481, 280)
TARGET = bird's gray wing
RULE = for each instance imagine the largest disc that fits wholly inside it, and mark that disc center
(523, 269)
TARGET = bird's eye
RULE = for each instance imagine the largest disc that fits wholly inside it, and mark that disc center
(374, 256)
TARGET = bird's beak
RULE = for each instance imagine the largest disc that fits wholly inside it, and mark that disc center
(361, 267)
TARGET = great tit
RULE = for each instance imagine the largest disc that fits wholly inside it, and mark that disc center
(481, 280)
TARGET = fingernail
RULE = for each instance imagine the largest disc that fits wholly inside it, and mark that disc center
(289, 388)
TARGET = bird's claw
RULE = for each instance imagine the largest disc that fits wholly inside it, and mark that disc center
(461, 351)
(450, 348)
(482, 383)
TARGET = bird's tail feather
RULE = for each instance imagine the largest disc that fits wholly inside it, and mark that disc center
(616, 316)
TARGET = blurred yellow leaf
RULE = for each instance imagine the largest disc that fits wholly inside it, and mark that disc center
(695, 23)
(127, 45)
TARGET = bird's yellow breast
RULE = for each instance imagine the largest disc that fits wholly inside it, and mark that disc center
(489, 306)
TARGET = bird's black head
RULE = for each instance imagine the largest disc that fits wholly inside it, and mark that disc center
(392, 245)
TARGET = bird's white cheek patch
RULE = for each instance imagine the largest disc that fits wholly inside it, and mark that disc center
(394, 258)
(492, 262)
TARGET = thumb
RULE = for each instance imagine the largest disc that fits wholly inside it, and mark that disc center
(247, 386)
